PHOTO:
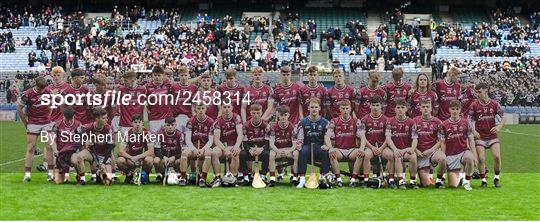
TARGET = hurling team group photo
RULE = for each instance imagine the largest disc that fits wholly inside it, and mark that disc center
(296, 102)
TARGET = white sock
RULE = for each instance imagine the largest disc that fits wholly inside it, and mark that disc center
(27, 174)
(412, 182)
(430, 175)
(66, 175)
(465, 181)
(263, 177)
(83, 178)
(281, 174)
(352, 180)
(496, 177)
(158, 175)
(302, 179)
(401, 182)
(438, 180)
(93, 175)
(246, 178)
(444, 175)
(339, 179)
(295, 178)
(272, 178)
(239, 174)
(461, 175)
(51, 172)
(366, 179)
(484, 180)
(391, 179)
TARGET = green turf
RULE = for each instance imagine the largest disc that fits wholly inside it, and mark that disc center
(519, 199)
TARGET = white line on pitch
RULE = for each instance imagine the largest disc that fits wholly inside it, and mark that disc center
(525, 134)
(14, 161)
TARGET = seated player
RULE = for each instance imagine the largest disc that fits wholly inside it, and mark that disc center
(458, 145)
(282, 145)
(168, 151)
(255, 142)
(137, 152)
(402, 139)
(311, 130)
(428, 151)
(64, 150)
(227, 140)
(344, 131)
(372, 136)
(98, 149)
(487, 116)
(199, 141)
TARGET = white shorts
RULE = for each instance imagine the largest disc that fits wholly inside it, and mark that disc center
(124, 129)
(486, 143)
(115, 123)
(38, 128)
(454, 162)
(181, 122)
(155, 125)
(427, 162)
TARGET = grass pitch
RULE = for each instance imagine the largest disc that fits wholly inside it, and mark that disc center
(519, 199)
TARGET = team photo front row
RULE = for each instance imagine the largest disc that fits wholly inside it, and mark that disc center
(424, 144)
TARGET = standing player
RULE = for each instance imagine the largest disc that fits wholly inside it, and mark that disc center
(255, 142)
(167, 152)
(83, 112)
(396, 90)
(487, 118)
(458, 144)
(98, 147)
(344, 130)
(134, 152)
(422, 91)
(36, 119)
(468, 96)
(184, 92)
(232, 91)
(372, 129)
(259, 93)
(311, 131)
(428, 151)
(64, 150)
(366, 93)
(288, 93)
(160, 103)
(402, 139)
(132, 108)
(338, 93)
(227, 130)
(447, 90)
(312, 90)
(281, 137)
(212, 110)
(57, 87)
(199, 140)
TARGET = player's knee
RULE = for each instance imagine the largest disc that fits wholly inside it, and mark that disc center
(496, 158)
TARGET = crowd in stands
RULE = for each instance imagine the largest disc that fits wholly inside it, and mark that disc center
(513, 83)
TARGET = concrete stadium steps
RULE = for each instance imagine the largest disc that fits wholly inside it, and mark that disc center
(373, 22)
(319, 58)
(446, 17)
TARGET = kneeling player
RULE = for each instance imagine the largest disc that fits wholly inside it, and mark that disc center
(428, 151)
(255, 143)
(98, 148)
(344, 130)
(199, 141)
(402, 138)
(458, 144)
(372, 135)
(487, 117)
(134, 152)
(64, 150)
(227, 138)
(282, 145)
(168, 150)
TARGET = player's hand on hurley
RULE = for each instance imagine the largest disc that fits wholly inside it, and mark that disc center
(377, 152)
(55, 153)
(419, 153)
(361, 153)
